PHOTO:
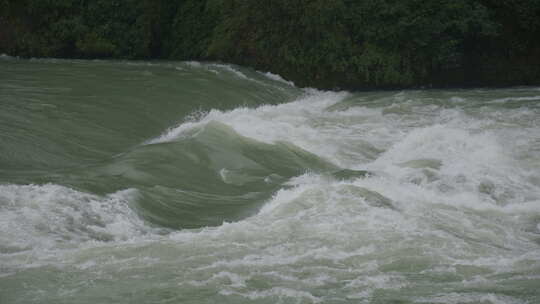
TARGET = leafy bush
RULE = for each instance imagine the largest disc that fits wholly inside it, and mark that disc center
(323, 43)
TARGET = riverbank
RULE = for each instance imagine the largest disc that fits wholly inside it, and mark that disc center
(327, 45)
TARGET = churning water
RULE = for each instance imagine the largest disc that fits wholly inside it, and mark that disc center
(185, 182)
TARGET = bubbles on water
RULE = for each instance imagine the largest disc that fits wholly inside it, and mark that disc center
(470, 298)
(277, 78)
(49, 216)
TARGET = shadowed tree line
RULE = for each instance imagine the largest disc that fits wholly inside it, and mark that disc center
(350, 44)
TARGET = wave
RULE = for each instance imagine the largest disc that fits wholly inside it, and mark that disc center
(212, 174)
(289, 122)
(40, 217)
(277, 78)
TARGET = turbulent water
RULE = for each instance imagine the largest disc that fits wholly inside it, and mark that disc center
(185, 182)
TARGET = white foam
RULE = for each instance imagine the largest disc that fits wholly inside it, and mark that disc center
(294, 122)
(280, 293)
(460, 151)
(230, 69)
(277, 78)
(368, 284)
(507, 99)
(223, 278)
(48, 216)
(457, 298)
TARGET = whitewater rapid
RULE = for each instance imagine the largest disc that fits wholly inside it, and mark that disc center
(449, 212)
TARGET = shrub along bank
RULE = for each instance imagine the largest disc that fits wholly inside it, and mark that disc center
(352, 44)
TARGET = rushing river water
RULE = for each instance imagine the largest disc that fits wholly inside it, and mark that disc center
(182, 182)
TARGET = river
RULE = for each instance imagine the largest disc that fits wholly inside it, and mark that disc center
(188, 182)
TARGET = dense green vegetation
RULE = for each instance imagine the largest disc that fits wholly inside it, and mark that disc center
(322, 43)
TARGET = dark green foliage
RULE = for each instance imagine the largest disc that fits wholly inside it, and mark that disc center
(191, 29)
(322, 43)
(351, 43)
(81, 28)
